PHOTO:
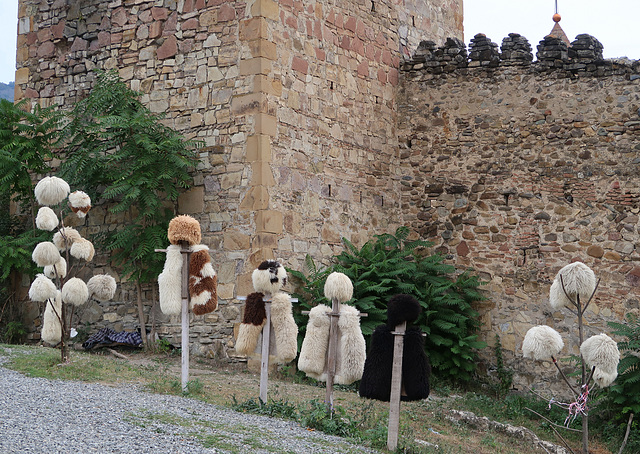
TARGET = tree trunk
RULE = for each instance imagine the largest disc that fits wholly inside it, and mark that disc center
(143, 328)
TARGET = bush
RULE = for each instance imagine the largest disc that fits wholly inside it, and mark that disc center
(392, 264)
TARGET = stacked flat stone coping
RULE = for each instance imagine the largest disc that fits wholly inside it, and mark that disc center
(582, 58)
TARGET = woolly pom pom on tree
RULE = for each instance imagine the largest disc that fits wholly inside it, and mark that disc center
(56, 287)
(573, 289)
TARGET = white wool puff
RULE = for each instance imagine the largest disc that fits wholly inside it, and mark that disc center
(602, 352)
(42, 289)
(65, 237)
(80, 203)
(60, 269)
(339, 286)
(82, 249)
(75, 292)
(541, 342)
(170, 282)
(46, 219)
(269, 277)
(102, 287)
(51, 191)
(51, 326)
(578, 279)
(45, 253)
(602, 378)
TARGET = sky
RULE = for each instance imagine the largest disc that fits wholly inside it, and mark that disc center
(613, 22)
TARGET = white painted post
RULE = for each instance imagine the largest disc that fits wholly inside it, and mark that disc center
(396, 387)
(333, 351)
(264, 361)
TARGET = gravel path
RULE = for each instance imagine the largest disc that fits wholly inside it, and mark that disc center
(52, 416)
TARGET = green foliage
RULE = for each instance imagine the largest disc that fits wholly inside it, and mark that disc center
(392, 264)
(122, 153)
(14, 332)
(505, 375)
(625, 392)
(26, 143)
(278, 408)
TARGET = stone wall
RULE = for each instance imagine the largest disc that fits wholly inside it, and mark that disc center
(295, 102)
(518, 170)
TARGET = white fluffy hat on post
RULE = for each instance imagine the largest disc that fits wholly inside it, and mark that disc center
(65, 237)
(578, 279)
(601, 352)
(51, 326)
(82, 249)
(102, 287)
(51, 190)
(46, 219)
(42, 289)
(541, 342)
(338, 286)
(80, 203)
(75, 292)
(602, 378)
(59, 269)
(45, 253)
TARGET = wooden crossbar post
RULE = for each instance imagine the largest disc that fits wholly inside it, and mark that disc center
(186, 252)
(396, 387)
(332, 351)
(264, 361)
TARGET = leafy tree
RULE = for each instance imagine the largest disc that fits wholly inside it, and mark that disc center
(122, 153)
(392, 264)
(27, 139)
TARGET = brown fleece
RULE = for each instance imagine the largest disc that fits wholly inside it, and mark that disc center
(199, 283)
(254, 312)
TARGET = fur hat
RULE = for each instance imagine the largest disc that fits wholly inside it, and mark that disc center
(170, 282)
(269, 277)
(541, 342)
(51, 190)
(59, 269)
(42, 289)
(338, 286)
(253, 320)
(51, 327)
(602, 378)
(102, 287)
(316, 341)
(75, 292)
(82, 249)
(46, 219)
(45, 253)
(184, 228)
(203, 282)
(65, 237)
(80, 203)
(602, 352)
(578, 279)
(402, 308)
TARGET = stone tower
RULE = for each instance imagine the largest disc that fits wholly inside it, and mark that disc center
(296, 101)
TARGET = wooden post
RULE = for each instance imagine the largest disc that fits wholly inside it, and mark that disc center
(186, 252)
(332, 351)
(396, 387)
(264, 361)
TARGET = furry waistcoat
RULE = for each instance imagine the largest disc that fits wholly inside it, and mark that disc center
(284, 326)
(376, 378)
(351, 351)
(203, 281)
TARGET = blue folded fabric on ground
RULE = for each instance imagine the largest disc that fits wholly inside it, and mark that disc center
(109, 336)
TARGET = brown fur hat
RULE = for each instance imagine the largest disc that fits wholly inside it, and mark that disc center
(254, 312)
(203, 281)
(184, 228)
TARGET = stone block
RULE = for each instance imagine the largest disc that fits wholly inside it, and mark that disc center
(253, 66)
(234, 240)
(266, 8)
(261, 174)
(253, 28)
(225, 291)
(244, 284)
(264, 240)
(266, 124)
(191, 201)
(263, 48)
(256, 198)
(268, 221)
(267, 85)
(169, 48)
(258, 148)
(249, 104)
(22, 76)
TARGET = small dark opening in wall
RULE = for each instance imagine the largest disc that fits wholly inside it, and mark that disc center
(331, 85)
(377, 100)
(329, 190)
(413, 20)
(381, 201)
(409, 143)
(373, 6)
(360, 196)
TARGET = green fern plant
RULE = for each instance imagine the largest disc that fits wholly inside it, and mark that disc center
(625, 392)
